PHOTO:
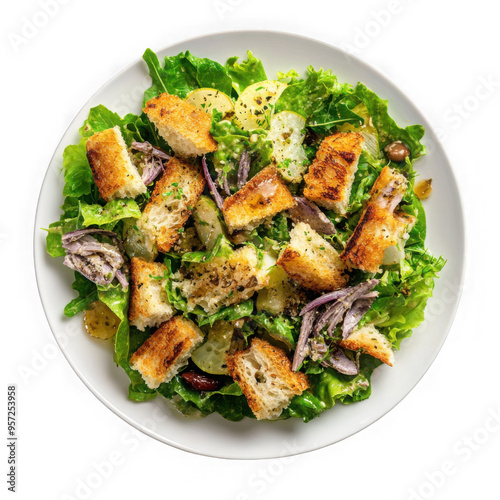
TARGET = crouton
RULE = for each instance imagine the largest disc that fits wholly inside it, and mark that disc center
(149, 305)
(312, 261)
(369, 340)
(163, 354)
(185, 128)
(222, 281)
(266, 378)
(113, 171)
(172, 202)
(379, 227)
(264, 196)
(331, 174)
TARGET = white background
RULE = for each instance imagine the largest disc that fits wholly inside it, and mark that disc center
(441, 441)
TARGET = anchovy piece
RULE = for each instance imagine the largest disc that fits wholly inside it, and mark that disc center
(340, 362)
(308, 212)
(98, 262)
(353, 316)
(243, 169)
(305, 331)
(153, 161)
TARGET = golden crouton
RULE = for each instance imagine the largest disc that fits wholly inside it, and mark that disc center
(185, 128)
(312, 261)
(369, 340)
(164, 353)
(379, 228)
(264, 196)
(265, 376)
(331, 174)
(223, 282)
(149, 305)
(112, 169)
(172, 202)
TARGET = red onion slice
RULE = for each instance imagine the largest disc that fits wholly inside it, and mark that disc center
(360, 289)
(211, 185)
(305, 332)
(243, 169)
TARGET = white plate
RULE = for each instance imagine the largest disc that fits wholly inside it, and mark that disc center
(248, 439)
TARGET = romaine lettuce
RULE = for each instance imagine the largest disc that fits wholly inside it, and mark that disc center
(109, 214)
(388, 130)
(312, 97)
(87, 293)
(231, 142)
(183, 73)
(245, 73)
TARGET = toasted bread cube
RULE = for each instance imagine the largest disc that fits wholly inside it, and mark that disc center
(312, 261)
(163, 354)
(379, 227)
(264, 196)
(265, 376)
(172, 202)
(223, 282)
(369, 340)
(185, 128)
(113, 171)
(331, 174)
(149, 305)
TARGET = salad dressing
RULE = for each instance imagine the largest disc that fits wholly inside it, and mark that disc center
(100, 321)
(423, 189)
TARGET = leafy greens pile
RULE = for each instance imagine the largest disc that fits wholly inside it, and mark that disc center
(327, 106)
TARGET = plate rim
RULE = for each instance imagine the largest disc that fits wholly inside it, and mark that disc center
(461, 219)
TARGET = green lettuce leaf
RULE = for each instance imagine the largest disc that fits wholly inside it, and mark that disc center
(305, 406)
(245, 73)
(388, 130)
(87, 293)
(228, 401)
(78, 178)
(232, 141)
(229, 313)
(55, 231)
(311, 97)
(101, 118)
(335, 112)
(222, 248)
(183, 73)
(282, 328)
(110, 213)
(403, 296)
(329, 387)
(276, 230)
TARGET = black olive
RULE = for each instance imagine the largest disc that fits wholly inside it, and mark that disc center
(397, 151)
